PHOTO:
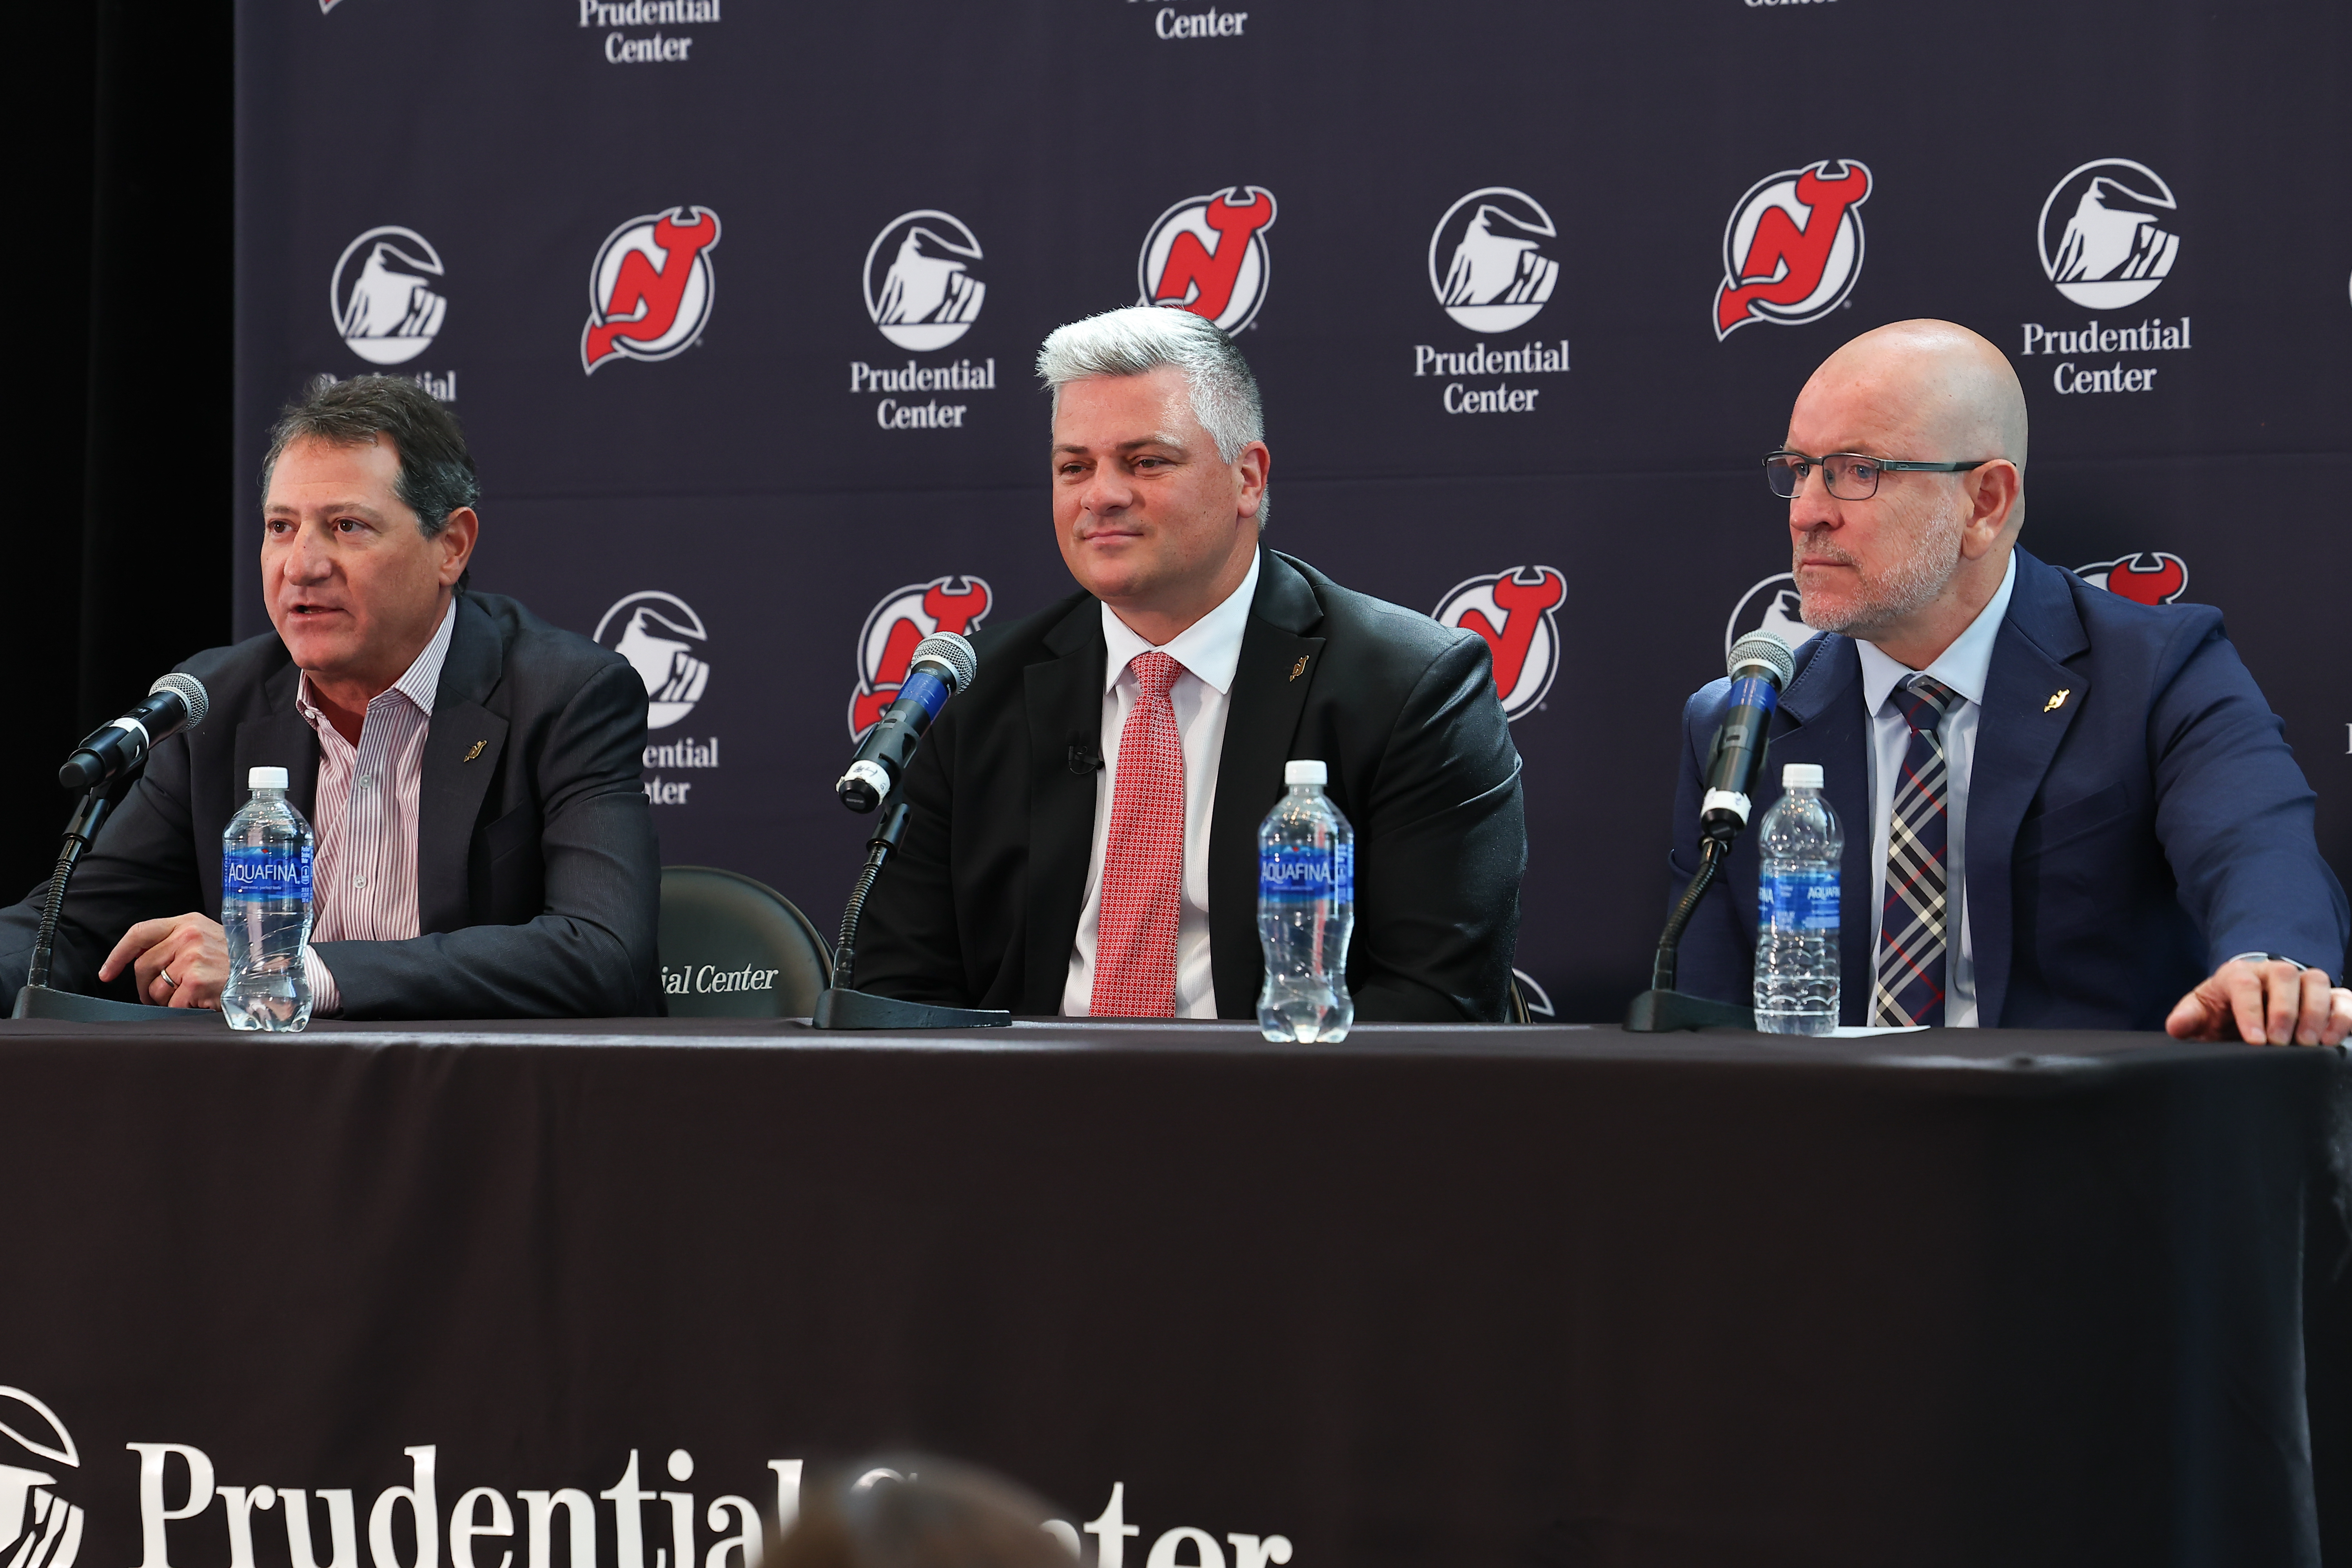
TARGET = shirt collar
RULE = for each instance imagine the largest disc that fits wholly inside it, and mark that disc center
(418, 685)
(1962, 667)
(1210, 648)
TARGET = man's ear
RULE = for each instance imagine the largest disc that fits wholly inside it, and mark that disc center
(457, 542)
(1995, 492)
(1255, 464)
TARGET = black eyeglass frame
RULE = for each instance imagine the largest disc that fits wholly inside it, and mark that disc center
(1883, 465)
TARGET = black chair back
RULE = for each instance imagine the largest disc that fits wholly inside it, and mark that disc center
(735, 948)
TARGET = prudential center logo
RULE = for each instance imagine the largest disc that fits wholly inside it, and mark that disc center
(38, 1529)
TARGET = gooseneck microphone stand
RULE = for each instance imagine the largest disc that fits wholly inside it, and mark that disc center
(840, 1006)
(37, 1000)
(1662, 1007)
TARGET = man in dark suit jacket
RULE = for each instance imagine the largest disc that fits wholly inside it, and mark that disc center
(2134, 840)
(1020, 792)
(492, 842)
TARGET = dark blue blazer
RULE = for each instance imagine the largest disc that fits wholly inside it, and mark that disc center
(2121, 845)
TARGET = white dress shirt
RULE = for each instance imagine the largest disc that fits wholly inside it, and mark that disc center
(1210, 650)
(1963, 668)
(364, 878)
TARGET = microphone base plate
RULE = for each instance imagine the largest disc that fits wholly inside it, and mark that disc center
(1662, 1012)
(840, 1009)
(72, 1007)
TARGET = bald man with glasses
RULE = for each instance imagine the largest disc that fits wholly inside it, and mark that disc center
(2062, 809)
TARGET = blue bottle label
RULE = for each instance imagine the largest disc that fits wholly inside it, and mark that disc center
(1797, 900)
(254, 873)
(1295, 873)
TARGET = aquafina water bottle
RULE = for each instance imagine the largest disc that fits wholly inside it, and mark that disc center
(1797, 909)
(266, 909)
(1305, 907)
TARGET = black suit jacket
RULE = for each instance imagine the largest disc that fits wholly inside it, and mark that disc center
(980, 906)
(537, 877)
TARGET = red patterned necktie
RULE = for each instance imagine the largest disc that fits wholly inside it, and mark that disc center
(1143, 856)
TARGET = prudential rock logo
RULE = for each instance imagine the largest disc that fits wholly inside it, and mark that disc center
(38, 1529)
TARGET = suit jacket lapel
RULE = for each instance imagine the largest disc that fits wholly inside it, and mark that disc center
(2018, 732)
(1826, 723)
(456, 773)
(278, 738)
(1278, 667)
(1062, 699)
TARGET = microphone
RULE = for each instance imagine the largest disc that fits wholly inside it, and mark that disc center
(1759, 665)
(943, 664)
(175, 703)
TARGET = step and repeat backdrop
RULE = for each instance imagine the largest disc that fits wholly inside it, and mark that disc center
(738, 303)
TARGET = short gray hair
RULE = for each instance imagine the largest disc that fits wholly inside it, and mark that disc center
(1140, 339)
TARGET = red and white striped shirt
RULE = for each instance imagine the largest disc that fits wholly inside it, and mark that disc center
(364, 878)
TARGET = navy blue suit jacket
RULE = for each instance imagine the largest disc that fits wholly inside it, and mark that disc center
(2121, 845)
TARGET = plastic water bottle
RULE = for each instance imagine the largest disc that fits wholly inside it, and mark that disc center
(1306, 909)
(266, 909)
(1797, 909)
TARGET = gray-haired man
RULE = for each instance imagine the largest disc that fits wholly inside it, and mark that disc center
(1085, 830)
(473, 773)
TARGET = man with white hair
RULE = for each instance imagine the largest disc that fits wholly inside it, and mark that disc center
(1085, 830)
(2062, 808)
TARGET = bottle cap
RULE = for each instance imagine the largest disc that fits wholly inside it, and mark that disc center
(1801, 775)
(1305, 773)
(264, 778)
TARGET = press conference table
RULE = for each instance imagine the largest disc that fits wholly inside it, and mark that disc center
(1433, 1295)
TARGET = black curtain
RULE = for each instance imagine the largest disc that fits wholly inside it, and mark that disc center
(121, 552)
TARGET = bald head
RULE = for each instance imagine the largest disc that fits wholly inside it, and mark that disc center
(1951, 390)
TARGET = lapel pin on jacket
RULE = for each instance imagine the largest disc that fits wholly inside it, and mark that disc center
(2057, 699)
(476, 750)
(1300, 667)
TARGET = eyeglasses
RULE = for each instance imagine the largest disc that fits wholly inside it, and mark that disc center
(1849, 475)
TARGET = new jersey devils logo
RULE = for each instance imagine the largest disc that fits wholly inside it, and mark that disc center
(904, 617)
(2162, 582)
(1207, 255)
(38, 1529)
(1486, 259)
(919, 288)
(1513, 611)
(1794, 246)
(649, 292)
(2102, 238)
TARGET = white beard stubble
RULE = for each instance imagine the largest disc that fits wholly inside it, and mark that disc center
(1911, 585)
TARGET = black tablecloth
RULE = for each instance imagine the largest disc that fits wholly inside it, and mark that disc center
(1430, 1297)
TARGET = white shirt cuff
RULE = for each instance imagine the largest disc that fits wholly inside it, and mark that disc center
(325, 1000)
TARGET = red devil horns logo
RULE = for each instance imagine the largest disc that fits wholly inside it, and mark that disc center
(1788, 271)
(1513, 611)
(644, 308)
(2159, 583)
(904, 618)
(1200, 279)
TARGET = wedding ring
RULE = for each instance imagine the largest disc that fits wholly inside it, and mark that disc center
(169, 980)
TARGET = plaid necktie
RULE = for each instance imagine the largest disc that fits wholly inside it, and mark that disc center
(1143, 856)
(1911, 958)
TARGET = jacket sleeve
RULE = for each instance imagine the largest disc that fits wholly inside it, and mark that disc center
(143, 867)
(1717, 956)
(2234, 813)
(592, 951)
(1439, 854)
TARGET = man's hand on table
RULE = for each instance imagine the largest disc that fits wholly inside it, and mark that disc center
(2265, 1002)
(182, 961)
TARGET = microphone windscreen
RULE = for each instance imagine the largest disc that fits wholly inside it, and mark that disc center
(1764, 653)
(952, 651)
(190, 690)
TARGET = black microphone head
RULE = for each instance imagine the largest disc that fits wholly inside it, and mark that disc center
(951, 650)
(1761, 653)
(190, 691)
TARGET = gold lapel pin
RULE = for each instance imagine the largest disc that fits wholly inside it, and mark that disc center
(2057, 699)
(1300, 667)
(476, 750)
